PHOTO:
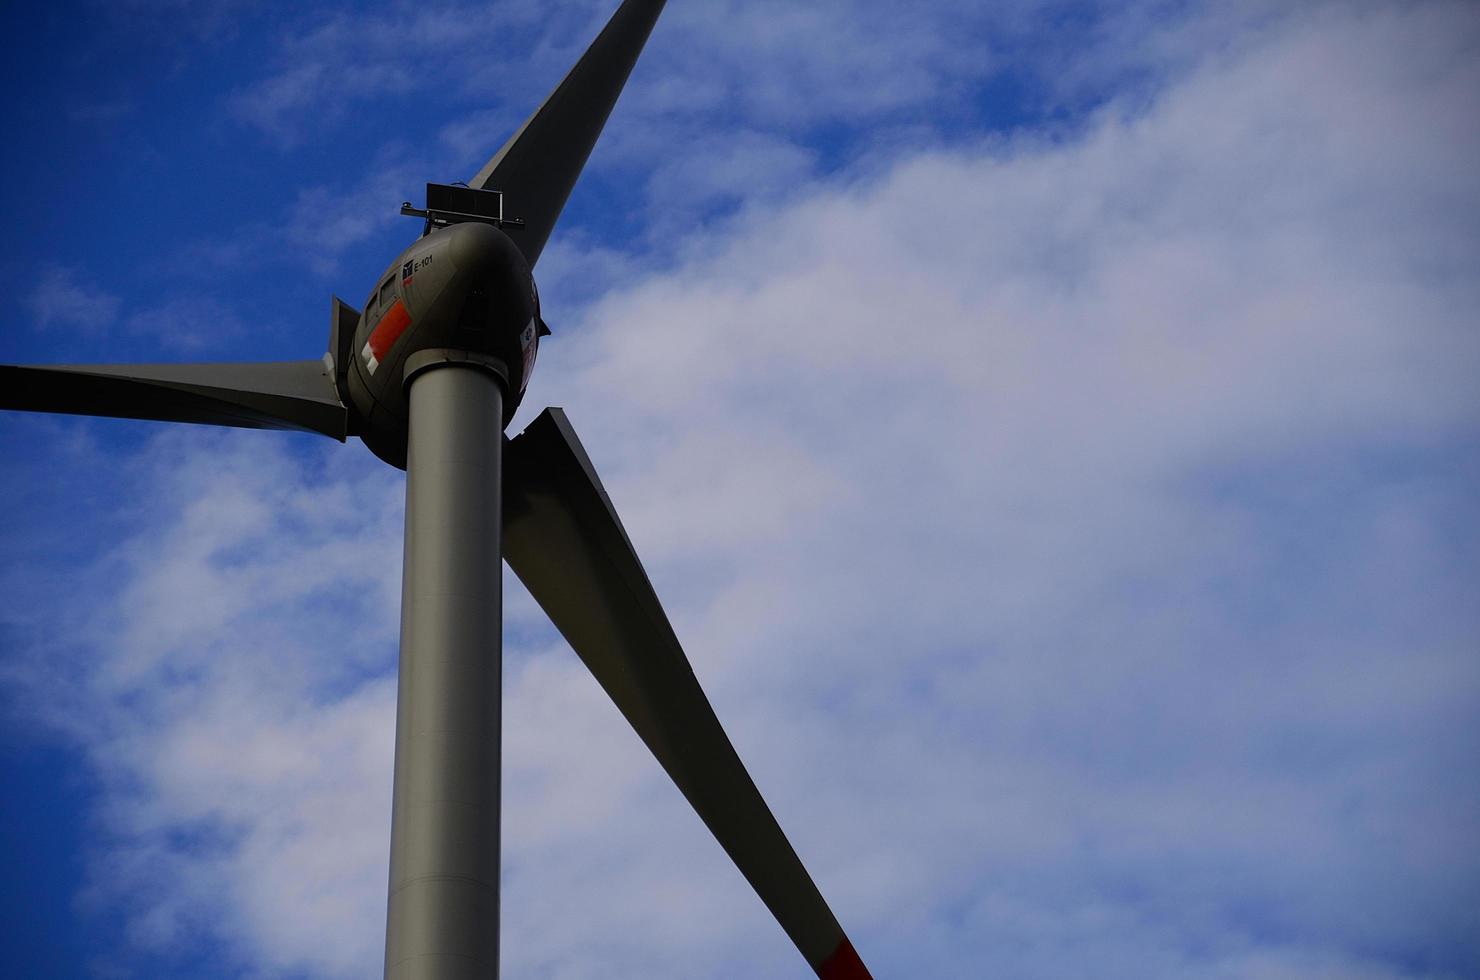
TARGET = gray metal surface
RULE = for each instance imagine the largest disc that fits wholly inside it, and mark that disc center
(563, 538)
(343, 321)
(538, 166)
(298, 395)
(442, 913)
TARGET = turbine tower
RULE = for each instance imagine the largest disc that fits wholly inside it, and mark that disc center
(428, 374)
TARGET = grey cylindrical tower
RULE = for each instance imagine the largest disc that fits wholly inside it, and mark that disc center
(443, 913)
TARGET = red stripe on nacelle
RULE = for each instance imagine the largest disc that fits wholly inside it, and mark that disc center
(843, 964)
(389, 329)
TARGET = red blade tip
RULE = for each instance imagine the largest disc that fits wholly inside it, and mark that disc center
(843, 964)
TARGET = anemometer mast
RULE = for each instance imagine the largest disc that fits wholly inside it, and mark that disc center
(451, 204)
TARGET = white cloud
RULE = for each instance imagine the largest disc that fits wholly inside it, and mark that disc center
(735, 166)
(344, 63)
(1092, 536)
(233, 695)
(822, 60)
(308, 93)
(326, 220)
(61, 300)
(188, 324)
(1075, 535)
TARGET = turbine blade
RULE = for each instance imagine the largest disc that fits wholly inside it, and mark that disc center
(539, 165)
(563, 538)
(296, 395)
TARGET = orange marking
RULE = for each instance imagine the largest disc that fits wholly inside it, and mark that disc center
(389, 329)
(843, 964)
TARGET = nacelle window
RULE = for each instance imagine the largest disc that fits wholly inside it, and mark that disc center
(388, 291)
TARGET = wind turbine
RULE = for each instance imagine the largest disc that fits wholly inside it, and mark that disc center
(428, 374)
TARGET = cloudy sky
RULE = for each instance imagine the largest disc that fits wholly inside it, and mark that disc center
(1052, 426)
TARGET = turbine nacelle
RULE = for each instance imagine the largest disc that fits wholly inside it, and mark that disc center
(465, 287)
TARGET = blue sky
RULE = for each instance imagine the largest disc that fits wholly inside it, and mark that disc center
(1051, 426)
